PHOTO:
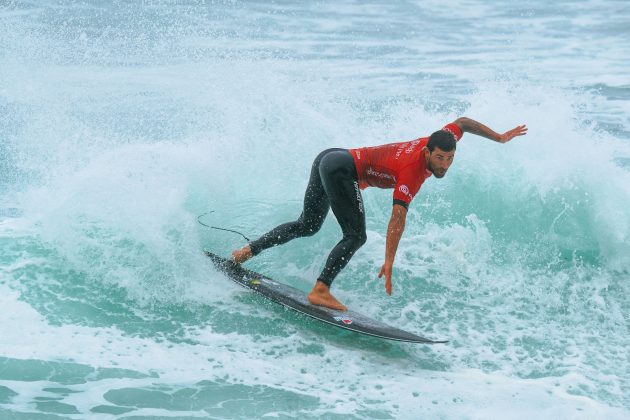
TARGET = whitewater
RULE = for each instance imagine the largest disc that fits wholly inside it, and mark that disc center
(122, 122)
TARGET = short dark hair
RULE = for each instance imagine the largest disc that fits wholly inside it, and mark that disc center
(442, 139)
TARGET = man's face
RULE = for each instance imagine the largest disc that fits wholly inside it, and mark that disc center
(439, 161)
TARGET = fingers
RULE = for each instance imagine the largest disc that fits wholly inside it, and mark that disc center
(388, 279)
(520, 130)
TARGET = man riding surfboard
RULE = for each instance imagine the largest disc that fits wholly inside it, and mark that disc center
(338, 175)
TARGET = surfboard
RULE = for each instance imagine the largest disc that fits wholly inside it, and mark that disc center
(296, 300)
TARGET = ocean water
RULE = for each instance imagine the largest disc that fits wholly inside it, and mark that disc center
(123, 121)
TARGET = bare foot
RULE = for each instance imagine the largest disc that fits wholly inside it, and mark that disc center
(320, 296)
(241, 255)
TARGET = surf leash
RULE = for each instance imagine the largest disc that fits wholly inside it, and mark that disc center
(218, 227)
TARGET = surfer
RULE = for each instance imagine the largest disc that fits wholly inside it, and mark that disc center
(338, 175)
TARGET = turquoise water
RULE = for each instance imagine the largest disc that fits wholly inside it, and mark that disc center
(121, 122)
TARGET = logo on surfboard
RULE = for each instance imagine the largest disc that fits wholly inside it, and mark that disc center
(346, 321)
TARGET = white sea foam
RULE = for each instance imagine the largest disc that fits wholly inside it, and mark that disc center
(401, 389)
(119, 127)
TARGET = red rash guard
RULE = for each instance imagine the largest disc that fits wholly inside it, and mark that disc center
(396, 165)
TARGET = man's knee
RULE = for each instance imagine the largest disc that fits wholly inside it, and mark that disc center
(310, 231)
(309, 228)
(362, 238)
(357, 239)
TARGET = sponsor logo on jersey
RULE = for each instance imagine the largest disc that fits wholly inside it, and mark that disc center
(448, 129)
(346, 321)
(372, 172)
(405, 190)
(407, 148)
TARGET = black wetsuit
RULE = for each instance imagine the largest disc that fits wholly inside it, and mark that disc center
(333, 184)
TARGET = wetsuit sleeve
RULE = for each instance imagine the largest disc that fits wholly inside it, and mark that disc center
(406, 188)
(454, 130)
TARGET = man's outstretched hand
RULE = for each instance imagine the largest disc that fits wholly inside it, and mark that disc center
(387, 270)
(521, 130)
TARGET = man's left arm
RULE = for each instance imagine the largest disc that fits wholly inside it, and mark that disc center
(468, 125)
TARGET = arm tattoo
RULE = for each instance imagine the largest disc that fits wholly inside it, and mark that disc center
(474, 127)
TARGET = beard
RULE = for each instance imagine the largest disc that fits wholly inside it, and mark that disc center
(438, 174)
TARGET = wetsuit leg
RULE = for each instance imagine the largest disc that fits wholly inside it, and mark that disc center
(316, 206)
(339, 179)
